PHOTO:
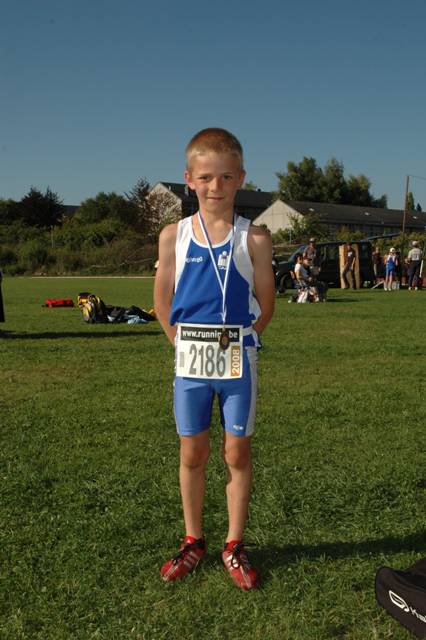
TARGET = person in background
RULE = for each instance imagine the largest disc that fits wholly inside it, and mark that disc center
(274, 261)
(391, 263)
(301, 271)
(349, 266)
(306, 281)
(312, 254)
(311, 250)
(377, 264)
(414, 262)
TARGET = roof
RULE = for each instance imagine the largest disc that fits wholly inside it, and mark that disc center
(347, 214)
(256, 201)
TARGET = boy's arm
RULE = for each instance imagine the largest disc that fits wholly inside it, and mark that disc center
(260, 249)
(165, 279)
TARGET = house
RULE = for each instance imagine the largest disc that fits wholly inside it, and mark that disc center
(248, 203)
(370, 221)
(259, 207)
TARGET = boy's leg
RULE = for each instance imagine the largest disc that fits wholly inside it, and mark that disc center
(237, 401)
(238, 408)
(193, 401)
(237, 455)
(194, 453)
(192, 405)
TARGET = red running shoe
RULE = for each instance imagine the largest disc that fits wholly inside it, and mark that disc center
(235, 560)
(185, 561)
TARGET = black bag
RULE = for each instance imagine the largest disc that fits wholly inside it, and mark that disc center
(123, 314)
(115, 314)
(403, 595)
(141, 313)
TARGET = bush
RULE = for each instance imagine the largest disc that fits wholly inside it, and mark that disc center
(77, 236)
(68, 261)
(33, 254)
(7, 256)
(17, 232)
(15, 270)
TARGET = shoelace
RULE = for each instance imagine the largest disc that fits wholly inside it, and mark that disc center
(189, 546)
(236, 559)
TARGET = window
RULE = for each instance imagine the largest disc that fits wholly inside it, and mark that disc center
(332, 252)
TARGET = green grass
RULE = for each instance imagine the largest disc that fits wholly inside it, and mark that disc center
(89, 500)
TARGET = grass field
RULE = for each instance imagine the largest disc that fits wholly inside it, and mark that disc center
(89, 500)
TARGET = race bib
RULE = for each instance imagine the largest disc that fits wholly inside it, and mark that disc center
(199, 354)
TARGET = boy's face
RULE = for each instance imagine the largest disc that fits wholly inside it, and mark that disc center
(216, 178)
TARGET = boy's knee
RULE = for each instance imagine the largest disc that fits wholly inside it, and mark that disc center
(194, 454)
(237, 455)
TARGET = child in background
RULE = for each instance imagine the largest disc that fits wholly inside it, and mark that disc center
(391, 263)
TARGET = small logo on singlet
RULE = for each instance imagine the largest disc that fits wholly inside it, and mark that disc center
(222, 260)
(194, 259)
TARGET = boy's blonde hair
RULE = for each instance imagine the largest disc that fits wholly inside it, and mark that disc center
(213, 139)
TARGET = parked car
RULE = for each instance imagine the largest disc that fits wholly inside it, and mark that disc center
(329, 265)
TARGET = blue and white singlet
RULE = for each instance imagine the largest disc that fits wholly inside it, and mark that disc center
(198, 298)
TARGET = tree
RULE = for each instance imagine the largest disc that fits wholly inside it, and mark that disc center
(107, 205)
(138, 196)
(411, 206)
(8, 211)
(359, 193)
(155, 208)
(301, 182)
(250, 186)
(164, 210)
(308, 182)
(309, 225)
(334, 184)
(40, 210)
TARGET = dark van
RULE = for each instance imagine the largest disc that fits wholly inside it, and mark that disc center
(329, 264)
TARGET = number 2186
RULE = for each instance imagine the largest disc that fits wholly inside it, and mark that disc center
(209, 360)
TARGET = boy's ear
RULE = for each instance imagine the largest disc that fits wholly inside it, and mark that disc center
(242, 178)
(189, 180)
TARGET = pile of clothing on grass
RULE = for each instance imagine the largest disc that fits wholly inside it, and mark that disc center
(95, 310)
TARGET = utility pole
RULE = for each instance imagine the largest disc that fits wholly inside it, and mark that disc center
(404, 221)
(404, 217)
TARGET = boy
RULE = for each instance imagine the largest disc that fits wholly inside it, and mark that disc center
(210, 264)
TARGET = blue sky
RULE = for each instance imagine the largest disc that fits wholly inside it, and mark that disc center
(97, 94)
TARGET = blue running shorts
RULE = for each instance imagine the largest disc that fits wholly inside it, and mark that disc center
(193, 401)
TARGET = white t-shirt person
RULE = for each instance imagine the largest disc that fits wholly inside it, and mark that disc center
(301, 273)
(415, 254)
